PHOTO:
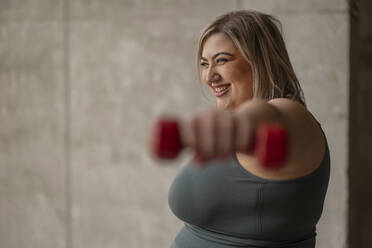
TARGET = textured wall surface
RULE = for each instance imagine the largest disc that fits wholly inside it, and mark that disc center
(32, 125)
(81, 80)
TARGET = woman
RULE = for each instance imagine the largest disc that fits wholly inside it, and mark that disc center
(231, 200)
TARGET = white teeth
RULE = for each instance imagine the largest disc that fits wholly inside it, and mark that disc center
(220, 89)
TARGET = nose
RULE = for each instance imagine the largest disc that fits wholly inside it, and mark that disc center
(212, 75)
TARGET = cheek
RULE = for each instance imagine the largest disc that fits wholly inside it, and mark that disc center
(235, 74)
(229, 73)
(203, 75)
(242, 75)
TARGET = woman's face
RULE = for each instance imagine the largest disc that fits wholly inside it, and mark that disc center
(226, 72)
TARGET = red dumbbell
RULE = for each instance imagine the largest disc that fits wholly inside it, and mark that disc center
(269, 146)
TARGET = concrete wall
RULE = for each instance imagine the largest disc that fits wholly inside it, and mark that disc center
(79, 83)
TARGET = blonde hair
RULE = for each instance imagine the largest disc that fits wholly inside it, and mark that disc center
(258, 38)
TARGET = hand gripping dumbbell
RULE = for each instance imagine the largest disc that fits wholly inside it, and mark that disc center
(269, 145)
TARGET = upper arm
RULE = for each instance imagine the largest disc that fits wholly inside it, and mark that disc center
(306, 140)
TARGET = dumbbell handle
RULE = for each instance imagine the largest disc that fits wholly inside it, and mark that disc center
(269, 145)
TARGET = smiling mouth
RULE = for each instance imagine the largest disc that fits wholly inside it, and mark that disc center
(222, 90)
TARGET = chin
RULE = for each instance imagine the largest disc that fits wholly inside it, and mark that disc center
(225, 107)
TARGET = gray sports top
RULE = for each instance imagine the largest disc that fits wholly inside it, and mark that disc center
(223, 205)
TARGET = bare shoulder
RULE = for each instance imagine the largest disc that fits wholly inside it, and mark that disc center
(306, 143)
(290, 107)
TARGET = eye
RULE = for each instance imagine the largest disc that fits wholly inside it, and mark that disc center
(221, 61)
(203, 64)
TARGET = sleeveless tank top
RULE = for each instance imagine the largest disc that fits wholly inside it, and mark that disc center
(223, 205)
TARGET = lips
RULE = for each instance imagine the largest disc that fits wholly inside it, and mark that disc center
(221, 90)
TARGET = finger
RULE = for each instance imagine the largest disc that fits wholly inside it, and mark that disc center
(191, 138)
(244, 134)
(188, 136)
(196, 132)
(206, 134)
(225, 133)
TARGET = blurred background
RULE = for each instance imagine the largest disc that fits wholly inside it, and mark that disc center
(80, 82)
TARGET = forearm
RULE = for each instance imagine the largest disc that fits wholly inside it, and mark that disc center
(256, 112)
(302, 129)
(214, 133)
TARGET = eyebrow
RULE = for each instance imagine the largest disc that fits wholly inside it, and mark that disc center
(216, 55)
